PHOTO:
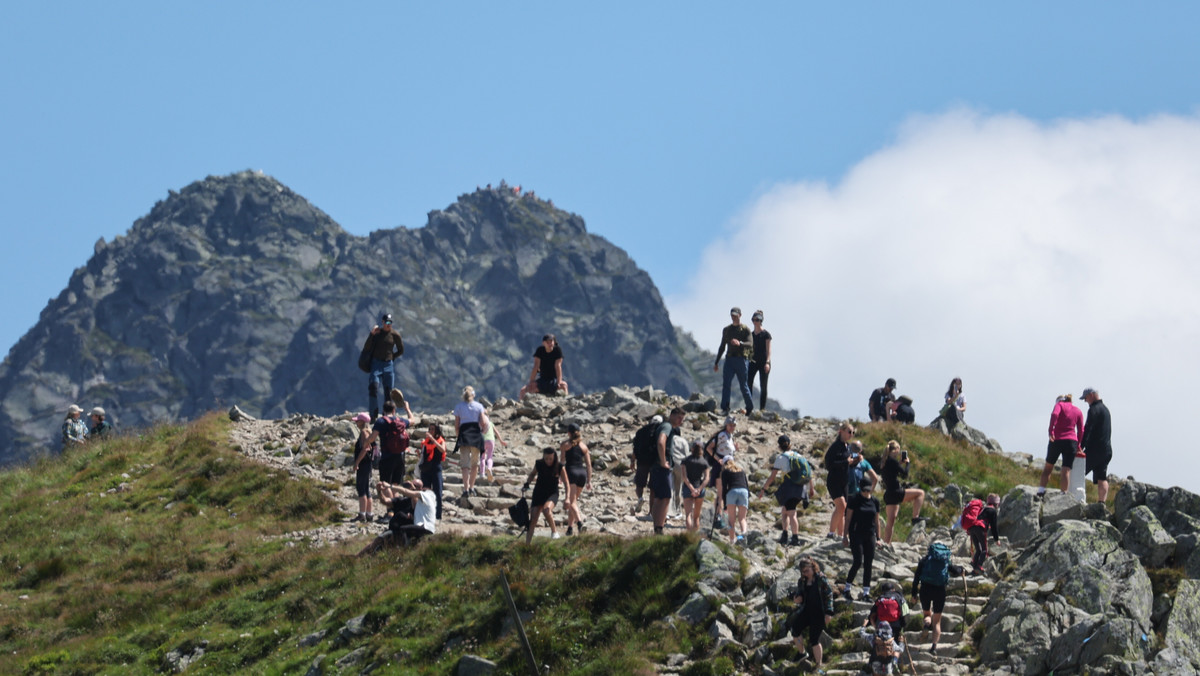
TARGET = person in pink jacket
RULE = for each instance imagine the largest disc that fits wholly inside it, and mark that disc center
(1066, 427)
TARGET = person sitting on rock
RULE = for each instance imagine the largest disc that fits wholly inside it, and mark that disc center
(546, 376)
(100, 426)
(881, 398)
(74, 430)
(904, 412)
(424, 519)
(814, 609)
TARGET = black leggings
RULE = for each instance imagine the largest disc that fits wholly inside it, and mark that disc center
(862, 546)
(979, 540)
(755, 367)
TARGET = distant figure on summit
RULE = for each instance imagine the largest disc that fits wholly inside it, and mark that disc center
(546, 376)
(736, 337)
(385, 345)
(1097, 441)
(879, 404)
(760, 364)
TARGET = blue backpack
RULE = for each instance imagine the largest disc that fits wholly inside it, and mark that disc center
(935, 567)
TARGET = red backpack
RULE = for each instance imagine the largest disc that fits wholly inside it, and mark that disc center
(970, 515)
(887, 609)
(395, 436)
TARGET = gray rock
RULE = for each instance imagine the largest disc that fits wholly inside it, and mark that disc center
(1015, 626)
(759, 629)
(314, 668)
(1162, 608)
(1057, 506)
(1146, 537)
(1183, 624)
(238, 415)
(351, 658)
(1131, 495)
(1087, 642)
(1184, 546)
(353, 628)
(694, 609)
(177, 661)
(783, 585)
(953, 494)
(1179, 524)
(1174, 499)
(1019, 515)
(473, 665)
(313, 638)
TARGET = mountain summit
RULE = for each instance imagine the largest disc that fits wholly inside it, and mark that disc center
(236, 290)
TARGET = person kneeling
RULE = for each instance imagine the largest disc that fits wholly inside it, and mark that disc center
(403, 532)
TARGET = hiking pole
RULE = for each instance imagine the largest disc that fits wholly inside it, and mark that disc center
(964, 616)
(908, 652)
(512, 608)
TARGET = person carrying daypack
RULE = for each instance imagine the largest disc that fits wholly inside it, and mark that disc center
(392, 432)
(890, 607)
(978, 520)
(645, 456)
(795, 489)
(884, 654)
(929, 586)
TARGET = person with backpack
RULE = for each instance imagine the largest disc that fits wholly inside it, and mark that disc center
(795, 489)
(644, 456)
(1066, 427)
(978, 520)
(660, 473)
(549, 473)
(890, 609)
(577, 462)
(695, 479)
(929, 587)
(895, 466)
(736, 337)
(470, 420)
(392, 432)
(837, 467)
(860, 533)
(383, 346)
(884, 651)
(363, 455)
(859, 468)
(760, 363)
(433, 454)
(814, 609)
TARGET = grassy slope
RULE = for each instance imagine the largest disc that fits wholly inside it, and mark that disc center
(115, 582)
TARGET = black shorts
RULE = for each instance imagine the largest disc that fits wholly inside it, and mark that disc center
(895, 497)
(391, 468)
(1100, 471)
(577, 475)
(362, 479)
(933, 595)
(547, 385)
(660, 483)
(541, 497)
(837, 489)
(790, 495)
(641, 475)
(1062, 448)
(814, 624)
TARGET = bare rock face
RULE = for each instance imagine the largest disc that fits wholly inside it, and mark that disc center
(238, 290)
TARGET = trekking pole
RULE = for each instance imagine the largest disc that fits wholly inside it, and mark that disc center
(964, 616)
(512, 608)
(908, 652)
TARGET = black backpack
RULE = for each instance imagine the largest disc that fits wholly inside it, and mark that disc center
(645, 444)
(364, 358)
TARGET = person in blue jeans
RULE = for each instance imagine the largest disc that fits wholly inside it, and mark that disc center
(385, 345)
(737, 339)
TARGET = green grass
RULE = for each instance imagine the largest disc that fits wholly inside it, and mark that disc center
(105, 583)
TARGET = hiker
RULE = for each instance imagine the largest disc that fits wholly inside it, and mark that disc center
(904, 412)
(470, 420)
(737, 339)
(883, 649)
(364, 454)
(433, 455)
(956, 404)
(487, 460)
(889, 609)
(695, 478)
(74, 430)
(860, 533)
(549, 473)
(894, 493)
(660, 474)
(797, 485)
(385, 345)
(723, 445)
(977, 520)
(546, 376)
(424, 522)
(837, 465)
(392, 432)
(733, 490)
(680, 450)
(577, 462)
(929, 587)
(859, 468)
(1066, 427)
(760, 362)
(1097, 441)
(878, 406)
(644, 457)
(814, 609)
(100, 426)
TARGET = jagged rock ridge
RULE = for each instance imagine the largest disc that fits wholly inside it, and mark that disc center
(238, 290)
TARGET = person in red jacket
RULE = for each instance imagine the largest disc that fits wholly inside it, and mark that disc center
(1066, 427)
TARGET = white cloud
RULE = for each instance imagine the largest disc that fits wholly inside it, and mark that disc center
(1029, 259)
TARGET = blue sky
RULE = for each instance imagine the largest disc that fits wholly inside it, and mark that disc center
(665, 126)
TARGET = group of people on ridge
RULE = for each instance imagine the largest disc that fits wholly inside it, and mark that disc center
(75, 432)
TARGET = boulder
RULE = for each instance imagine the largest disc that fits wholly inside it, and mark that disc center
(694, 609)
(1015, 626)
(783, 585)
(473, 665)
(1057, 506)
(1019, 515)
(1132, 494)
(1175, 499)
(1146, 537)
(1085, 643)
(1191, 567)
(1179, 524)
(953, 494)
(1183, 624)
(759, 628)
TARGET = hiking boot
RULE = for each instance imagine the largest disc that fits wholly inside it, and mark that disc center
(919, 519)
(847, 591)
(795, 541)
(579, 526)
(641, 503)
(570, 531)
(865, 596)
(783, 537)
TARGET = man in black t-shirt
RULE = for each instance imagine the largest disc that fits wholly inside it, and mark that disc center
(546, 376)
(880, 398)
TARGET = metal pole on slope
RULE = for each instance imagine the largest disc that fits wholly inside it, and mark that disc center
(512, 608)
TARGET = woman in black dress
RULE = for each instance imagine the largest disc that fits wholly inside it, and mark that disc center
(549, 472)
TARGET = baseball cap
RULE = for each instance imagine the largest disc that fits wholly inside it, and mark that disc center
(97, 411)
(1087, 391)
(730, 420)
(784, 441)
(735, 310)
(386, 318)
(362, 417)
(656, 419)
(74, 409)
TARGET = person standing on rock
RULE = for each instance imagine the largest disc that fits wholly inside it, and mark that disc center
(929, 587)
(797, 486)
(895, 466)
(548, 473)
(860, 534)
(737, 339)
(723, 445)
(760, 363)
(660, 474)
(695, 479)
(470, 420)
(100, 426)
(643, 458)
(814, 609)
(837, 466)
(546, 377)
(433, 454)
(392, 432)
(881, 398)
(385, 345)
(1066, 427)
(733, 490)
(680, 450)
(487, 460)
(363, 455)
(956, 405)
(74, 430)
(1097, 441)
(859, 468)
(578, 464)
